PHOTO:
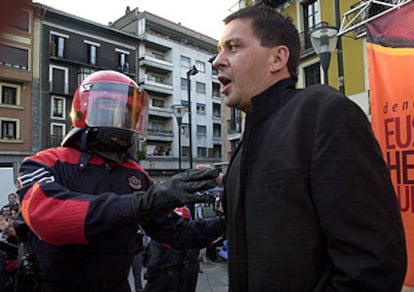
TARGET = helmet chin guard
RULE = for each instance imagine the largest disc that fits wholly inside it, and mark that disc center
(111, 143)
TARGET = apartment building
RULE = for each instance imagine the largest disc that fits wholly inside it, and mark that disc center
(174, 68)
(19, 78)
(72, 48)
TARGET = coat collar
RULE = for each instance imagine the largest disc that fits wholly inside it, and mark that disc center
(269, 100)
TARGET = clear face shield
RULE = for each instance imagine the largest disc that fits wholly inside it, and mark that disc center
(116, 105)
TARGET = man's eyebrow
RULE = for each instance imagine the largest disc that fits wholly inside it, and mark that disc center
(227, 42)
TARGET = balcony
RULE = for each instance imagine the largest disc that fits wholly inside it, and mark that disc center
(156, 85)
(159, 63)
(160, 112)
(158, 134)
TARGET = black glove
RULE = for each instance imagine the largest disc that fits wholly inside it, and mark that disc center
(182, 233)
(181, 189)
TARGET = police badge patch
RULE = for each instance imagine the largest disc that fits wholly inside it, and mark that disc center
(134, 183)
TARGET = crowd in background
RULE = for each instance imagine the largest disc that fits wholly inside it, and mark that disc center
(8, 240)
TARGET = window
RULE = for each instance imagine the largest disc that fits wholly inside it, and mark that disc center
(201, 108)
(185, 151)
(184, 102)
(157, 102)
(157, 55)
(185, 62)
(217, 151)
(216, 110)
(58, 107)
(312, 74)
(311, 17)
(235, 121)
(83, 73)
(216, 90)
(91, 52)
(201, 87)
(156, 127)
(157, 78)
(184, 83)
(10, 94)
(14, 57)
(217, 131)
(201, 66)
(233, 145)
(57, 45)
(57, 132)
(185, 129)
(59, 79)
(201, 131)
(201, 151)
(123, 64)
(8, 129)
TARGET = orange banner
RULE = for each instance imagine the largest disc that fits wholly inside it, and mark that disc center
(390, 50)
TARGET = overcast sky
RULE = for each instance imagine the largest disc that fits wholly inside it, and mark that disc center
(202, 16)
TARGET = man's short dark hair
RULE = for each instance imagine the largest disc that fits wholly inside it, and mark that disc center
(272, 29)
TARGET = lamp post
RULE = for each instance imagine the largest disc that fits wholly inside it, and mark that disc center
(339, 50)
(179, 111)
(193, 71)
(324, 40)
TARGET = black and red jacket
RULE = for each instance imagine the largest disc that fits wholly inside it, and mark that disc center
(78, 207)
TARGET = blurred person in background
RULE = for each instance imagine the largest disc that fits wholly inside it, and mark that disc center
(169, 269)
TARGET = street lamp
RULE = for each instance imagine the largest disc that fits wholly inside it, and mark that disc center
(339, 50)
(324, 40)
(179, 111)
(193, 71)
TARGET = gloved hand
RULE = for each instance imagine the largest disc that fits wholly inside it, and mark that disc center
(182, 233)
(181, 189)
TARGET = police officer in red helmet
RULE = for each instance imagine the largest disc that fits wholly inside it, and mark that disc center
(81, 202)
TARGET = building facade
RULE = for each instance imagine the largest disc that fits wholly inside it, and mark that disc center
(19, 79)
(71, 49)
(47, 53)
(174, 68)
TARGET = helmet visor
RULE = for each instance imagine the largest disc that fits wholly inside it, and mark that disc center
(116, 105)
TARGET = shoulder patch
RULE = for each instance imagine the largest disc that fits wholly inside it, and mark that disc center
(135, 183)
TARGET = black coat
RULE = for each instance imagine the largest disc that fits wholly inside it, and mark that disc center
(308, 198)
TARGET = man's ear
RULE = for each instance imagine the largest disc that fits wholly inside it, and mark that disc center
(280, 58)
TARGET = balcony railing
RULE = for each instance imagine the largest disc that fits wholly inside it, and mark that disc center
(156, 131)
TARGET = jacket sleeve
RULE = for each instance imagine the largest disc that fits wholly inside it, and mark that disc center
(182, 233)
(59, 215)
(355, 202)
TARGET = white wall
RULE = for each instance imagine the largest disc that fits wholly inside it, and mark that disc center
(7, 185)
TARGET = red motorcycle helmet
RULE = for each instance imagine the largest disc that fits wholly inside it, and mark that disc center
(110, 99)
